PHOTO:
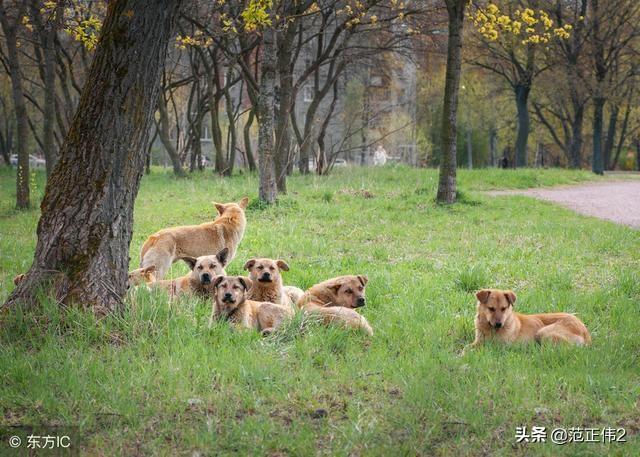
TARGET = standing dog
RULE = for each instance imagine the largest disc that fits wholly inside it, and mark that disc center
(336, 299)
(495, 319)
(198, 282)
(168, 245)
(267, 282)
(231, 303)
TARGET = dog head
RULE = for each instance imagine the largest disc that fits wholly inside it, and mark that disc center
(495, 305)
(230, 292)
(346, 291)
(142, 276)
(205, 268)
(266, 271)
(231, 209)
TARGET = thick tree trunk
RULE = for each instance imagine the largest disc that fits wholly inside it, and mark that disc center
(285, 40)
(82, 254)
(267, 189)
(597, 164)
(575, 146)
(522, 138)
(447, 180)
(232, 134)
(623, 133)
(248, 150)
(9, 26)
(163, 131)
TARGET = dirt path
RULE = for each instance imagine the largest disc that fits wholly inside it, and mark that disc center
(617, 201)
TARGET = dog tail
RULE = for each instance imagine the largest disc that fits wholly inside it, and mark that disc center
(151, 241)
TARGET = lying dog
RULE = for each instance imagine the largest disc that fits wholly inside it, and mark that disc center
(166, 246)
(198, 282)
(231, 303)
(267, 282)
(495, 319)
(335, 301)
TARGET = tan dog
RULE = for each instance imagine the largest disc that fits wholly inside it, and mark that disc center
(267, 282)
(199, 281)
(166, 246)
(336, 299)
(231, 303)
(495, 319)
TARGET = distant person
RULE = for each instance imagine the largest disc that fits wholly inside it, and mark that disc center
(380, 156)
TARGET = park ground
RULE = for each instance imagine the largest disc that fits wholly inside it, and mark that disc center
(156, 381)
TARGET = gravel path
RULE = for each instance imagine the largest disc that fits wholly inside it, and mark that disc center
(617, 201)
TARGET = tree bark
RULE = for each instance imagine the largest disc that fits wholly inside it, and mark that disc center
(598, 163)
(469, 150)
(611, 135)
(447, 179)
(285, 41)
(9, 27)
(575, 146)
(522, 138)
(493, 146)
(267, 188)
(82, 254)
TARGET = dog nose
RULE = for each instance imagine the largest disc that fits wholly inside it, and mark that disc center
(360, 301)
(498, 324)
(206, 278)
(227, 295)
(266, 275)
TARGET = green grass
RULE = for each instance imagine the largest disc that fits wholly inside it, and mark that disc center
(157, 381)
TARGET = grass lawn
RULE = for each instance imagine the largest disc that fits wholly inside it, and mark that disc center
(157, 381)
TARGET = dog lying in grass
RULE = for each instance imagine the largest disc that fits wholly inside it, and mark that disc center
(198, 282)
(495, 319)
(231, 303)
(267, 282)
(335, 301)
(168, 245)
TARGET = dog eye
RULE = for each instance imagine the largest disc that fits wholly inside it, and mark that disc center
(260, 267)
(349, 291)
(271, 268)
(200, 267)
(491, 309)
(502, 309)
(360, 289)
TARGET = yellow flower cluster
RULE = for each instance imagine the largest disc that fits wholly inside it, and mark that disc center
(198, 39)
(529, 26)
(255, 15)
(86, 31)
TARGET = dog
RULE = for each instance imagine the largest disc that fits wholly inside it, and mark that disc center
(495, 319)
(335, 301)
(231, 303)
(267, 282)
(168, 245)
(199, 281)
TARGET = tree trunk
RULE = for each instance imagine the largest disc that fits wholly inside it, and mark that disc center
(611, 135)
(637, 154)
(493, 146)
(163, 131)
(19, 106)
(232, 134)
(285, 40)
(598, 163)
(575, 146)
(623, 132)
(267, 189)
(447, 179)
(82, 254)
(469, 150)
(522, 104)
(248, 150)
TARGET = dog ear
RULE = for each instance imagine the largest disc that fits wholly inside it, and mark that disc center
(510, 296)
(250, 263)
(282, 265)
(217, 280)
(483, 295)
(244, 202)
(219, 207)
(223, 256)
(363, 280)
(246, 282)
(191, 261)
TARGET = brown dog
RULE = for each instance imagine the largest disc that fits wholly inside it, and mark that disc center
(198, 282)
(267, 282)
(336, 299)
(166, 246)
(496, 319)
(231, 303)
